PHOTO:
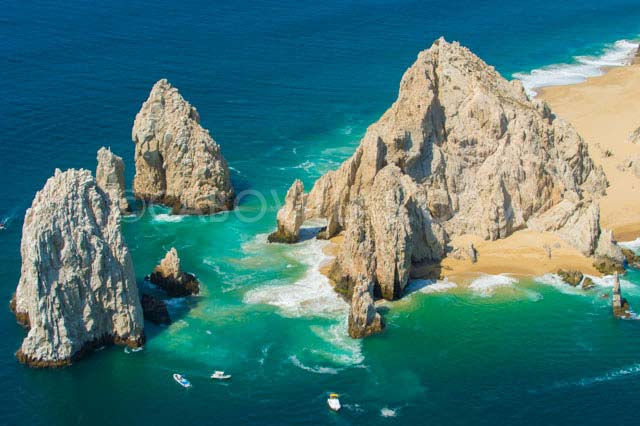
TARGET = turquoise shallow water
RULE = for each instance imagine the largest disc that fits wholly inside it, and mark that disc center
(288, 89)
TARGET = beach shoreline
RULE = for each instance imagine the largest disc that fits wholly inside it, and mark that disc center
(604, 110)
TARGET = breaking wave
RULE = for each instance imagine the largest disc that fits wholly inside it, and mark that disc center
(582, 67)
(487, 284)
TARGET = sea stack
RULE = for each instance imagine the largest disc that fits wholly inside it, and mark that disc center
(110, 177)
(619, 304)
(364, 320)
(178, 164)
(461, 151)
(609, 258)
(169, 276)
(77, 289)
(290, 216)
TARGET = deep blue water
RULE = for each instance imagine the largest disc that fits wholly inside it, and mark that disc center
(287, 88)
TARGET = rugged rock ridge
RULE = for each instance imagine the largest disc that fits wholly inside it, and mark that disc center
(77, 288)
(110, 177)
(290, 216)
(462, 150)
(169, 276)
(177, 162)
(363, 319)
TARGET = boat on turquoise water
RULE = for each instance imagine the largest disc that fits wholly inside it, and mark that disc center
(181, 380)
(334, 402)
(220, 375)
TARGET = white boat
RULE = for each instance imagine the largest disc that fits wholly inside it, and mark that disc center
(181, 380)
(220, 375)
(334, 402)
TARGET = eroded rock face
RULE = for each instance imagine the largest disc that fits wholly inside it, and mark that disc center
(110, 177)
(619, 304)
(461, 151)
(364, 320)
(290, 216)
(77, 288)
(177, 162)
(169, 276)
(155, 310)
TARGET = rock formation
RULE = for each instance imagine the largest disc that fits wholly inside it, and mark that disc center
(461, 151)
(169, 276)
(636, 58)
(364, 320)
(155, 310)
(634, 137)
(290, 216)
(619, 304)
(177, 162)
(110, 177)
(571, 276)
(609, 258)
(632, 259)
(77, 288)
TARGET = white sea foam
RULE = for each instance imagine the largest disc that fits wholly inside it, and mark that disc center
(387, 412)
(344, 350)
(629, 371)
(314, 369)
(165, 217)
(311, 296)
(583, 67)
(631, 245)
(487, 284)
(429, 286)
(558, 283)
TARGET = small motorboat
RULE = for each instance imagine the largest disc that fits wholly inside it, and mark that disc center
(181, 380)
(220, 375)
(334, 402)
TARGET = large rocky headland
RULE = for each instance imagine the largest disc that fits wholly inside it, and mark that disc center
(77, 288)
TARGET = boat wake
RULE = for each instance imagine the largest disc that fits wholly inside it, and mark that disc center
(621, 373)
(581, 68)
(315, 369)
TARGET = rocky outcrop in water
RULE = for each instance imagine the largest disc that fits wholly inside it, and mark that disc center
(632, 259)
(364, 320)
(77, 287)
(169, 276)
(461, 151)
(155, 310)
(110, 177)
(609, 258)
(290, 216)
(619, 304)
(177, 162)
(571, 276)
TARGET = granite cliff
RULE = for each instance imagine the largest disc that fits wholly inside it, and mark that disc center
(461, 151)
(77, 288)
(290, 216)
(110, 177)
(177, 162)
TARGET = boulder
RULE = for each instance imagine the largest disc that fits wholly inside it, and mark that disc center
(169, 276)
(571, 277)
(177, 162)
(77, 288)
(155, 310)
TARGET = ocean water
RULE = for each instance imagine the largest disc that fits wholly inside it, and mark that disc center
(288, 88)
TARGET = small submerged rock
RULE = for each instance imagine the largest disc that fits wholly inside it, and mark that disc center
(571, 276)
(155, 310)
(169, 276)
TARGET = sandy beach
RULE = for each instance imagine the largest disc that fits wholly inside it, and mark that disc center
(604, 110)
